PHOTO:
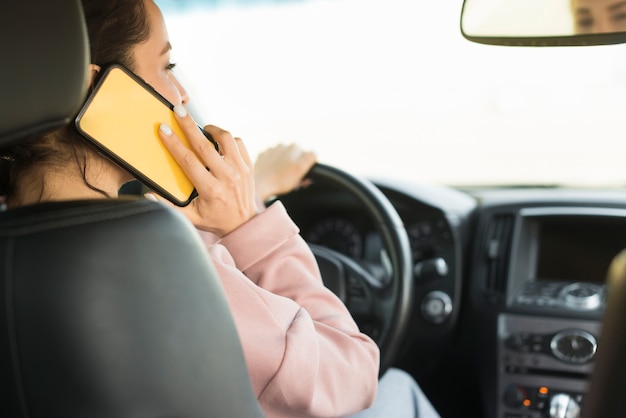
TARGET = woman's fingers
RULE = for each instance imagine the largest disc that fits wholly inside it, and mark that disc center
(229, 148)
(186, 158)
(225, 183)
(232, 149)
(200, 144)
(243, 151)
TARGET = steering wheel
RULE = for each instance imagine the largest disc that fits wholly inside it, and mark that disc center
(378, 295)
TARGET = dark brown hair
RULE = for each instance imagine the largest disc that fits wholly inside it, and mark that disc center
(114, 28)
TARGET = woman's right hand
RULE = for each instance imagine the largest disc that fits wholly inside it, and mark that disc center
(225, 183)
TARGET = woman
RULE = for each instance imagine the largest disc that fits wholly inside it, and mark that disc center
(305, 354)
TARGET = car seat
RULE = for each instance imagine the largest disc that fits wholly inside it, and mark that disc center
(607, 394)
(108, 308)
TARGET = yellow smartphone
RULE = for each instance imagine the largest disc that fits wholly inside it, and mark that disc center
(121, 118)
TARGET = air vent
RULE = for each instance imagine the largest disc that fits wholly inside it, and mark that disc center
(496, 254)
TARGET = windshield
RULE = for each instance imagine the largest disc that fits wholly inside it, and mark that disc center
(391, 88)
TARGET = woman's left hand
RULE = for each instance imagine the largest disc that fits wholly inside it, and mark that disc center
(225, 183)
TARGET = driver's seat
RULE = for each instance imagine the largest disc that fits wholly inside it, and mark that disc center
(108, 308)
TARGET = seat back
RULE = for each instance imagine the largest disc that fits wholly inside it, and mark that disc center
(607, 393)
(108, 308)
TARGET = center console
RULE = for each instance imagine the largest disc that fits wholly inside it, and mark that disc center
(548, 333)
(541, 362)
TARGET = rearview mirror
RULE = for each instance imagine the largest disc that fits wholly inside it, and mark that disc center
(544, 22)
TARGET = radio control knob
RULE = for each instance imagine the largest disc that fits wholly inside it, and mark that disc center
(514, 396)
(574, 346)
(582, 296)
(563, 405)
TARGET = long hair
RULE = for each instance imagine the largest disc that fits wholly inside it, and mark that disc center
(114, 27)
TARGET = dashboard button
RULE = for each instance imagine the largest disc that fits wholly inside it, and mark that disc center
(436, 307)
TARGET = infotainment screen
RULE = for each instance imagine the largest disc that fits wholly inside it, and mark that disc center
(560, 257)
(577, 248)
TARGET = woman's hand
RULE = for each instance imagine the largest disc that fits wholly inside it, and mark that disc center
(225, 183)
(281, 169)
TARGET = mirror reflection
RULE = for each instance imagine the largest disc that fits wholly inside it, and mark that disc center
(542, 18)
(598, 16)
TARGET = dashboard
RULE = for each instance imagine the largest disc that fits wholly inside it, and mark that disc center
(537, 283)
(509, 286)
(330, 217)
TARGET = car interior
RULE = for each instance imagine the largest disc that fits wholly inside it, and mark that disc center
(502, 302)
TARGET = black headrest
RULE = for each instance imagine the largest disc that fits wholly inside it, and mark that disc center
(45, 60)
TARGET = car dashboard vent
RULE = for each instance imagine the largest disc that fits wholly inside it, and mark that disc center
(496, 255)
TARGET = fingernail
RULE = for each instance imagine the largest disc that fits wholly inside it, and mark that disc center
(165, 130)
(180, 111)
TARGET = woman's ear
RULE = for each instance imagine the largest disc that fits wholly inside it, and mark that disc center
(94, 69)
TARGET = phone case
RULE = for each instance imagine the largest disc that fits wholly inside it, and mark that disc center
(122, 118)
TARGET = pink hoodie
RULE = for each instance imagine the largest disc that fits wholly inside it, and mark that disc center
(304, 352)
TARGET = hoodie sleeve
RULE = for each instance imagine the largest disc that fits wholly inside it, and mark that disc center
(305, 354)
